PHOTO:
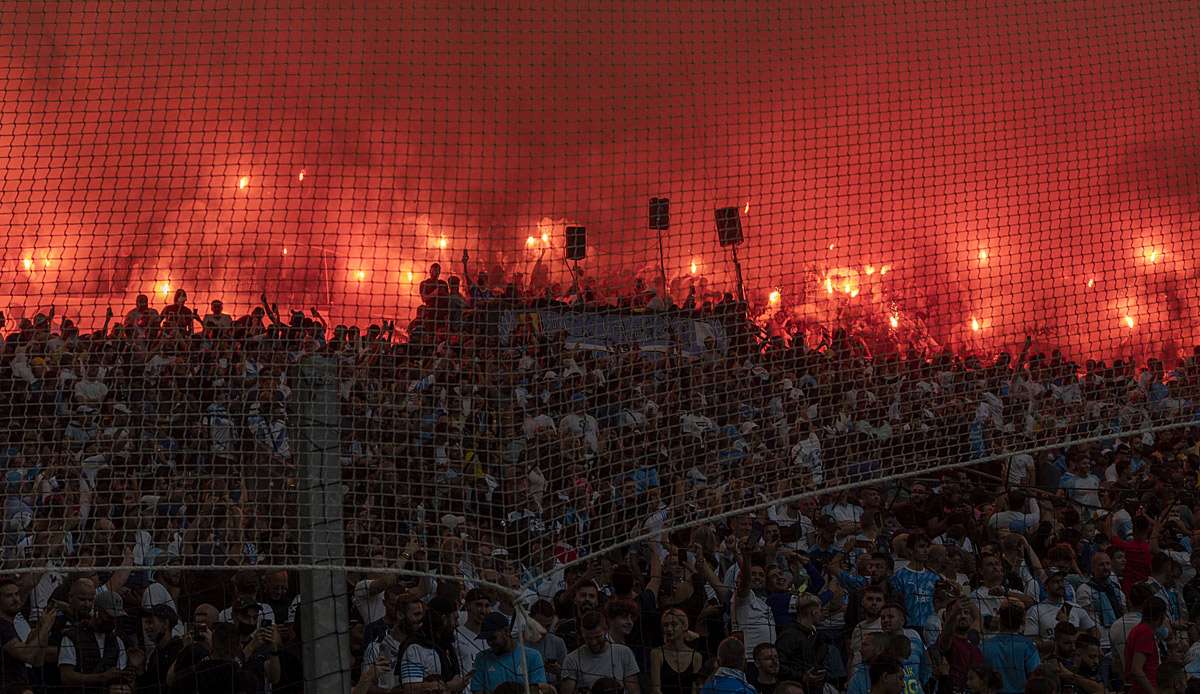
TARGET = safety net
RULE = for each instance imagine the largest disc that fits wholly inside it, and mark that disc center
(518, 297)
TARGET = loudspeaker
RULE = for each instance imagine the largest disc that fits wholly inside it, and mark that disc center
(660, 214)
(576, 243)
(729, 226)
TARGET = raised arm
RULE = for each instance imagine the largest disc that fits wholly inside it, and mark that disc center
(271, 310)
(743, 581)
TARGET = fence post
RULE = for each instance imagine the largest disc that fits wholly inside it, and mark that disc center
(325, 619)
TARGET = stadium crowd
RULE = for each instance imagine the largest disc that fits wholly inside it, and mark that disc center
(576, 520)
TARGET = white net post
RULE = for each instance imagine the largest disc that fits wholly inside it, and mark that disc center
(325, 619)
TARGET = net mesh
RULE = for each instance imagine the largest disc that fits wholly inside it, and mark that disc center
(958, 235)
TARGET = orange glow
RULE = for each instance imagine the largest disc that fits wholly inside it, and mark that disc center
(832, 246)
(410, 276)
(1091, 283)
(545, 237)
(847, 287)
(773, 297)
(975, 324)
(442, 243)
(360, 275)
(28, 263)
(530, 242)
(243, 182)
(1129, 322)
(885, 269)
(983, 256)
(746, 210)
(300, 176)
(285, 251)
(828, 285)
(164, 288)
(693, 267)
(894, 320)
(869, 270)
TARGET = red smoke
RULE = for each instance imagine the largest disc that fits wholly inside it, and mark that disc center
(1059, 137)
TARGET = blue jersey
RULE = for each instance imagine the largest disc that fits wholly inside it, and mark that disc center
(1013, 657)
(916, 589)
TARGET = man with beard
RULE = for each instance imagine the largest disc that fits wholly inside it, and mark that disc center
(586, 599)
(81, 601)
(879, 569)
(1044, 618)
(598, 658)
(428, 662)
(1101, 596)
(469, 641)
(752, 614)
(161, 648)
(386, 649)
(92, 655)
(260, 645)
(279, 597)
(872, 603)
(1086, 675)
(958, 644)
(504, 661)
(24, 647)
(993, 591)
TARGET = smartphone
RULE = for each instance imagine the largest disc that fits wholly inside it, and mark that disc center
(267, 623)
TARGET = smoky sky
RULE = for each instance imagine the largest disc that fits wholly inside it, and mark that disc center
(1059, 138)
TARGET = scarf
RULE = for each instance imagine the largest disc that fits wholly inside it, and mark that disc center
(1108, 599)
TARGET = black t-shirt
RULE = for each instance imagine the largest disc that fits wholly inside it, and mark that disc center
(154, 679)
(765, 688)
(215, 676)
(12, 671)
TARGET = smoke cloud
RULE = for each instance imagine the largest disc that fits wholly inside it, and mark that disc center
(1021, 167)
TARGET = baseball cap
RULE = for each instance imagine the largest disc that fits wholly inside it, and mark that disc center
(163, 612)
(110, 603)
(245, 602)
(493, 623)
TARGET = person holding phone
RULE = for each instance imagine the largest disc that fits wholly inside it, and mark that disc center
(259, 644)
